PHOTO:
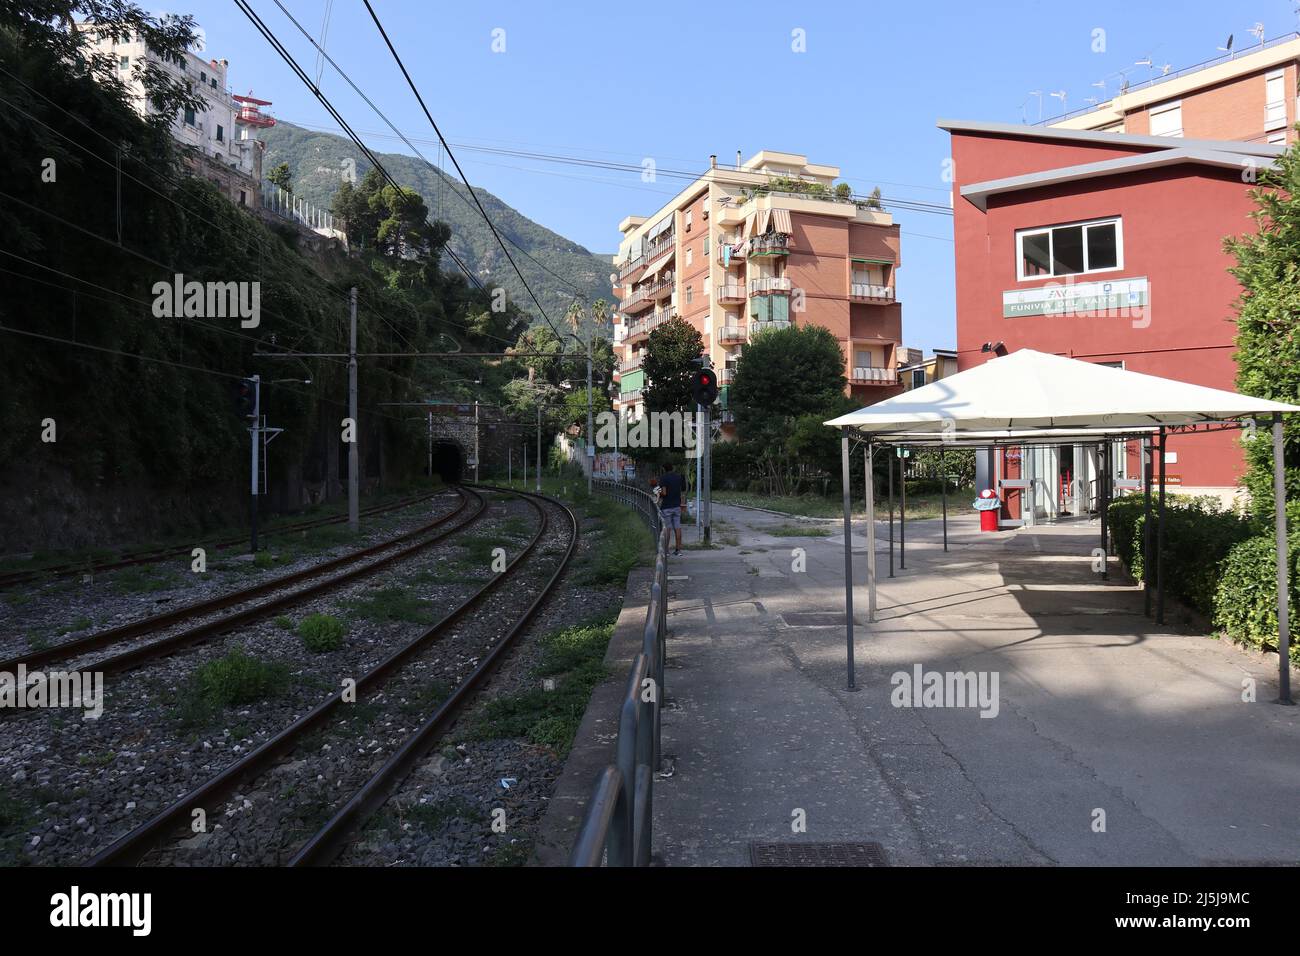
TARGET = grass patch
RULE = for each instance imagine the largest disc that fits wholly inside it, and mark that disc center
(321, 633)
(391, 604)
(142, 580)
(511, 854)
(284, 622)
(575, 656)
(432, 816)
(237, 678)
(623, 543)
(517, 527)
(797, 531)
(477, 551)
(426, 701)
(15, 817)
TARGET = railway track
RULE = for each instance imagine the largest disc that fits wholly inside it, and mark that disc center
(152, 556)
(422, 538)
(532, 575)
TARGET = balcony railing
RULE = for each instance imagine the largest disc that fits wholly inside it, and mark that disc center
(873, 376)
(730, 293)
(769, 284)
(647, 294)
(660, 246)
(773, 244)
(761, 325)
(869, 291)
(632, 396)
(627, 268)
(726, 376)
(630, 365)
(731, 333)
(648, 324)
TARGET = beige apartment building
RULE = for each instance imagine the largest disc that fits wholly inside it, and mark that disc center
(1247, 94)
(757, 246)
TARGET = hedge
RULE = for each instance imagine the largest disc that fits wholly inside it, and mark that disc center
(1245, 600)
(1198, 538)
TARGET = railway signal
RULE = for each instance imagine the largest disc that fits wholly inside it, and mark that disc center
(246, 397)
(704, 387)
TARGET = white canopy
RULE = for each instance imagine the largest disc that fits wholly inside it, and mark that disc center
(1030, 390)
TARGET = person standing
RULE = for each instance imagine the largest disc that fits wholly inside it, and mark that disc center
(672, 486)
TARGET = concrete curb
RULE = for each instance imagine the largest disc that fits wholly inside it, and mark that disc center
(593, 745)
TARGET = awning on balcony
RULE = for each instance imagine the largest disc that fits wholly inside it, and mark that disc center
(763, 222)
(781, 221)
(645, 276)
(749, 226)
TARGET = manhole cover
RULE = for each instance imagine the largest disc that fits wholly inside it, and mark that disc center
(817, 854)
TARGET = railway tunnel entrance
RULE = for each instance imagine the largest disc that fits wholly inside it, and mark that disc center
(448, 461)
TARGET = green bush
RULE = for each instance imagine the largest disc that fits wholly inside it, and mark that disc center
(1245, 601)
(238, 678)
(321, 633)
(1198, 537)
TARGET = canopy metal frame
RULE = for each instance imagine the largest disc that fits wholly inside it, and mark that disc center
(1153, 438)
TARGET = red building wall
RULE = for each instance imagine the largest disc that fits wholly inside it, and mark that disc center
(1173, 223)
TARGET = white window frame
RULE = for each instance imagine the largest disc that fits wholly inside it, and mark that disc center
(1118, 221)
(690, 255)
(1275, 107)
(1168, 107)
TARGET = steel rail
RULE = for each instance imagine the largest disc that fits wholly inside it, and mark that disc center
(128, 849)
(130, 559)
(331, 839)
(147, 625)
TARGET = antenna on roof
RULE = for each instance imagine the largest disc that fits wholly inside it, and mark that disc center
(1039, 94)
(1258, 31)
(1164, 70)
(1228, 47)
(1059, 95)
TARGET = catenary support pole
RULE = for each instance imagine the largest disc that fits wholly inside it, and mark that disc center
(1283, 582)
(699, 473)
(870, 456)
(430, 444)
(889, 468)
(256, 432)
(1147, 451)
(476, 440)
(538, 486)
(510, 465)
(354, 459)
(848, 553)
(1160, 537)
(591, 441)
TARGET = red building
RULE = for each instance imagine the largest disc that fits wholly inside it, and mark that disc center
(1106, 247)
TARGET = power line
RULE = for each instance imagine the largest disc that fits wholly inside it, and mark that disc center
(452, 156)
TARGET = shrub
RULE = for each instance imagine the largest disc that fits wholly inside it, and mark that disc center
(1245, 601)
(321, 633)
(1198, 538)
(238, 678)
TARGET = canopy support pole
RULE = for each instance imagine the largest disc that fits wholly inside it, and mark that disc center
(1147, 452)
(889, 467)
(848, 552)
(1160, 537)
(871, 533)
(1103, 494)
(943, 484)
(902, 513)
(1283, 582)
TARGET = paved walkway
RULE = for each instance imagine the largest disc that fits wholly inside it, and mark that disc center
(1098, 710)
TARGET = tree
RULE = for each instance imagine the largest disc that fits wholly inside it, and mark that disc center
(1268, 322)
(669, 364)
(789, 381)
(280, 176)
(873, 201)
(843, 191)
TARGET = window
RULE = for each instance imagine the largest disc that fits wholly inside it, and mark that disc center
(690, 294)
(705, 250)
(1275, 99)
(918, 377)
(123, 62)
(1278, 138)
(1167, 119)
(189, 117)
(690, 255)
(1069, 250)
(203, 76)
(688, 219)
(861, 358)
(221, 133)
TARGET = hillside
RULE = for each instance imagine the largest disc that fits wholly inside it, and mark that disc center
(317, 161)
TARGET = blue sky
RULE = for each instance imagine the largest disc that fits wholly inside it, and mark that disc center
(626, 82)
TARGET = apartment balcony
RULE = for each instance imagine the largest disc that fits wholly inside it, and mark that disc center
(730, 334)
(640, 329)
(632, 396)
(730, 293)
(630, 365)
(631, 266)
(773, 244)
(867, 292)
(770, 284)
(726, 376)
(758, 325)
(873, 376)
(727, 254)
(646, 296)
(660, 246)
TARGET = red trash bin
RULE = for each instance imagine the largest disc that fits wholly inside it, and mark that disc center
(989, 507)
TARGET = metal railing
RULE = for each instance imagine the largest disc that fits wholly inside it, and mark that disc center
(617, 826)
(869, 290)
(770, 284)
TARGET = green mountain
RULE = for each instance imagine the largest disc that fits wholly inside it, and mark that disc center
(319, 161)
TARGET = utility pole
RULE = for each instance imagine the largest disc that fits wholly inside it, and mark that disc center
(706, 514)
(525, 464)
(431, 444)
(591, 447)
(699, 472)
(476, 441)
(538, 469)
(354, 467)
(256, 432)
(510, 465)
